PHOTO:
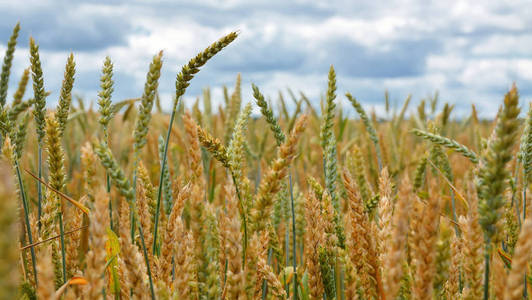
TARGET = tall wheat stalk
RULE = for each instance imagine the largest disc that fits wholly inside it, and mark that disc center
(182, 82)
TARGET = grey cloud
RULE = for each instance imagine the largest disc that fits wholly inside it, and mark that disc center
(71, 29)
(218, 14)
(404, 58)
(253, 55)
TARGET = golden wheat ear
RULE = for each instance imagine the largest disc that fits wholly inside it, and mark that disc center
(96, 257)
(515, 282)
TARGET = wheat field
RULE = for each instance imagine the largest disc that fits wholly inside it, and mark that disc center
(120, 200)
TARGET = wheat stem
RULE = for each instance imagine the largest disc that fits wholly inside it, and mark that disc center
(182, 82)
(26, 218)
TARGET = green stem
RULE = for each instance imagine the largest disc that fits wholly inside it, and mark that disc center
(342, 285)
(379, 158)
(163, 165)
(39, 186)
(287, 259)
(26, 219)
(514, 204)
(212, 185)
(108, 182)
(226, 265)
(455, 219)
(257, 179)
(264, 283)
(524, 200)
(132, 212)
(244, 220)
(525, 290)
(147, 262)
(293, 235)
(324, 166)
(63, 255)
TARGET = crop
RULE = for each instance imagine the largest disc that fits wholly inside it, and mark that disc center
(128, 202)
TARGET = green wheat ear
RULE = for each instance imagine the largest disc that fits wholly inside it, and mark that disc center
(19, 137)
(235, 151)
(448, 143)
(146, 104)
(21, 89)
(19, 108)
(525, 151)
(397, 120)
(5, 123)
(419, 175)
(6, 66)
(492, 174)
(189, 70)
(369, 126)
(104, 96)
(65, 98)
(182, 82)
(38, 90)
(438, 156)
(167, 185)
(114, 170)
(326, 128)
(268, 114)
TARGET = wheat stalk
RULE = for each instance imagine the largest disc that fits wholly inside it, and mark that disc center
(39, 109)
(270, 184)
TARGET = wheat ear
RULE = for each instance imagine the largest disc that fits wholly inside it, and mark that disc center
(6, 66)
(515, 281)
(395, 251)
(65, 98)
(270, 185)
(96, 258)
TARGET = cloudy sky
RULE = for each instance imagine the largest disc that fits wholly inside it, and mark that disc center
(470, 51)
